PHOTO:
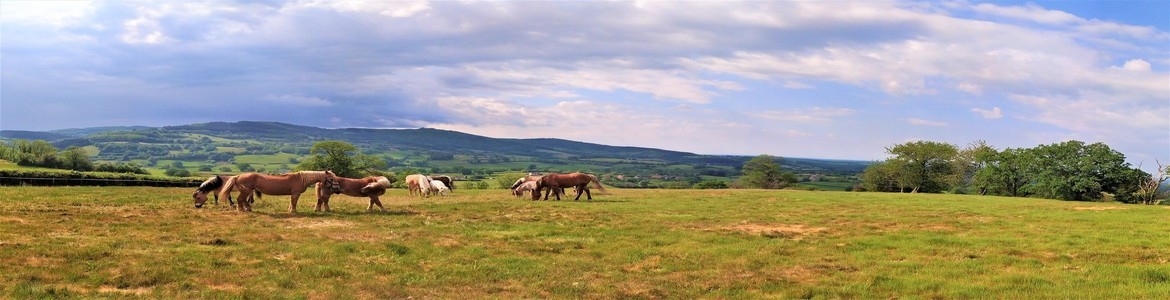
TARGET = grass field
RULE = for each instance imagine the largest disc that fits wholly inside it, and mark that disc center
(130, 242)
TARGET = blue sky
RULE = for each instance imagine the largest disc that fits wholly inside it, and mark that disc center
(836, 79)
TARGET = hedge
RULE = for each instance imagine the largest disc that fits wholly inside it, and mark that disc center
(65, 177)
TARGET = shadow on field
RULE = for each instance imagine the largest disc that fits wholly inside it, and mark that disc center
(312, 214)
(586, 201)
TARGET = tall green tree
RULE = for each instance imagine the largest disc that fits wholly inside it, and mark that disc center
(926, 166)
(1072, 170)
(341, 157)
(763, 172)
(1002, 173)
(76, 159)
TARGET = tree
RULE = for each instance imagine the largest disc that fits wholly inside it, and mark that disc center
(1002, 173)
(881, 177)
(762, 172)
(1150, 191)
(926, 165)
(341, 157)
(1074, 171)
(76, 159)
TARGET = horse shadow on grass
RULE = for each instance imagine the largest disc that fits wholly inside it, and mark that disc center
(313, 214)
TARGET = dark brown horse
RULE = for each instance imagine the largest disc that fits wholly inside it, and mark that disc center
(292, 184)
(557, 182)
(372, 186)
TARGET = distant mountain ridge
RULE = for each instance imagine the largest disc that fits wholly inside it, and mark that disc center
(421, 139)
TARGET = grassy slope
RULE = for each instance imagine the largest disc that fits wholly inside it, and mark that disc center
(149, 242)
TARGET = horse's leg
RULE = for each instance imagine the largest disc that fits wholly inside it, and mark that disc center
(292, 205)
(588, 195)
(375, 201)
(577, 189)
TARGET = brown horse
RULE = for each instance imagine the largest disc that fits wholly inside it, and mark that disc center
(212, 186)
(292, 184)
(372, 186)
(556, 182)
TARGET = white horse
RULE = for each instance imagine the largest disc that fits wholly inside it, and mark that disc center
(419, 182)
(439, 187)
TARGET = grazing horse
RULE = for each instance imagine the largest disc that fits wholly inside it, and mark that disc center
(372, 186)
(420, 183)
(577, 180)
(439, 188)
(292, 184)
(524, 179)
(447, 180)
(519, 190)
(212, 186)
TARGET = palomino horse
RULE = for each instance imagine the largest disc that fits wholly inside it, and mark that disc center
(554, 182)
(372, 186)
(439, 188)
(212, 186)
(420, 183)
(292, 184)
(447, 180)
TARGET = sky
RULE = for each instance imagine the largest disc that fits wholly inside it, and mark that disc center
(813, 79)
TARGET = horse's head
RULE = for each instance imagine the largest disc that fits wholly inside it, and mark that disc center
(200, 198)
(331, 182)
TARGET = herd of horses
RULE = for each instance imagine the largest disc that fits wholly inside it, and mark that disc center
(326, 184)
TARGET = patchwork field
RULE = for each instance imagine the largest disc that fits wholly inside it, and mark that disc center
(138, 242)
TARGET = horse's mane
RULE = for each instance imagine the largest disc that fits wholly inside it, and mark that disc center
(210, 184)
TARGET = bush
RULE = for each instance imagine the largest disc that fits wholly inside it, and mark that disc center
(176, 172)
(711, 184)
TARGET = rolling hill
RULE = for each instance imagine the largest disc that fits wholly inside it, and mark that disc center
(220, 143)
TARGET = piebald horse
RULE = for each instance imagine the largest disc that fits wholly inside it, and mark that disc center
(555, 182)
(212, 186)
(420, 183)
(446, 180)
(292, 184)
(372, 186)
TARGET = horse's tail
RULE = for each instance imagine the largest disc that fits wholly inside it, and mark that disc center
(385, 182)
(230, 184)
(597, 183)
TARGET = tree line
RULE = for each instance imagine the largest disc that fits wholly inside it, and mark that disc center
(40, 153)
(1071, 170)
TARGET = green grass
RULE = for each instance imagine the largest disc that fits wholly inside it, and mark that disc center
(114, 242)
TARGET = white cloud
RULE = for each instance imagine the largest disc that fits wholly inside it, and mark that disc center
(1029, 12)
(921, 122)
(296, 100)
(812, 114)
(993, 113)
(1136, 65)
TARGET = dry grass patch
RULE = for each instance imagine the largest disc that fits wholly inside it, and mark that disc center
(1098, 208)
(793, 232)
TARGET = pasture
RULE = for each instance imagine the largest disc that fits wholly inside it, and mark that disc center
(143, 242)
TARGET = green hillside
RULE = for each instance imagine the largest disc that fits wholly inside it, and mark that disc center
(221, 146)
